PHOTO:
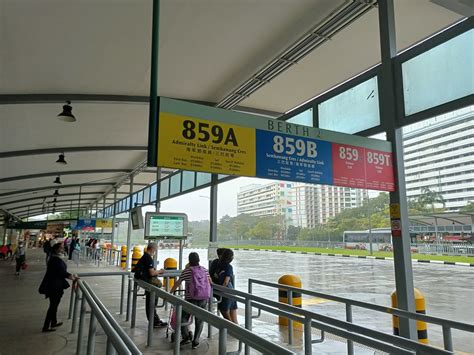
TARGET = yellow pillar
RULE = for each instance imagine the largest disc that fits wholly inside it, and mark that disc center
(421, 327)
(123, 260)
(294, 281)
(170, 264)
(136, 255)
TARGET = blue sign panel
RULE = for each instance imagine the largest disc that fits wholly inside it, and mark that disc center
(293, 158)
(86, 224)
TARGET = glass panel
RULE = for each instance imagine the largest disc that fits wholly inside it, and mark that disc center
(221, 176)
(134, 199)
(140, 197)
(175, 184)
(304, 118)
(153, 192)
(188, 180)
(352, 111)
(164, 187)
(146, 196)
(442, 74)
(126, 204)
(203, 178)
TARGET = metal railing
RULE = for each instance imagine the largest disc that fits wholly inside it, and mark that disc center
(225, 327)
(446, 324)
(117, 340)
(372, 338)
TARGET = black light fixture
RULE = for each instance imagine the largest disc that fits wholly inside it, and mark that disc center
(56, 193)
(61, 159)
(54, 210)
(54, 201)
(67, 115)
(57, 181)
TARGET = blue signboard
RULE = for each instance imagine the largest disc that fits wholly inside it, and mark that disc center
(293, 158)
(86, 224)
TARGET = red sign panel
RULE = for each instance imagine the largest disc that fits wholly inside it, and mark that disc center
(348, 165)
(379, 170)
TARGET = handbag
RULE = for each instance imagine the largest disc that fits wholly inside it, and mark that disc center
(24, 266)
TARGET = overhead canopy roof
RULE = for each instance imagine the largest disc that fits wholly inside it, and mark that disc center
(444, 218)
(91, 50)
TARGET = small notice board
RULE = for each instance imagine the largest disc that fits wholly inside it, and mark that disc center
(164, 225)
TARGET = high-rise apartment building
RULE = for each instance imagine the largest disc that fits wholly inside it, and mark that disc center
(439, 155)
(315, 204)
(272, 199)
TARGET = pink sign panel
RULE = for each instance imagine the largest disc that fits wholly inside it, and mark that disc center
(379, 170)
(348, 165)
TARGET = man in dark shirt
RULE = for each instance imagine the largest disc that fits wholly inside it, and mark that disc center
(214, 265)
(145, 270)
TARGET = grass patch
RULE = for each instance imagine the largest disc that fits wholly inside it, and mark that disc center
(462, 259)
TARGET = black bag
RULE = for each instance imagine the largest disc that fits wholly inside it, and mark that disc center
(42, 288)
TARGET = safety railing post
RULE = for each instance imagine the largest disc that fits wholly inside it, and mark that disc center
(134, 305)
(71, 300)
(290, 321)
(74, 313)
(308, 344)
(447, 338)
(222, 341)
(151, 319)
(177, 333)
(248, 321)
(350, 344)
(81, 325)
(209, 326)
(122, 292)
(129, 291)
(91, 337)
(110, 350)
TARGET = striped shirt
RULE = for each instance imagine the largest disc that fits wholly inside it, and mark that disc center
(187, 276)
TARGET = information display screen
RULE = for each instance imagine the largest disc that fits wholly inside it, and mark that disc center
(166, 225)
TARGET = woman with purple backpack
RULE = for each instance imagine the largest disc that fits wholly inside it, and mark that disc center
(197, 292)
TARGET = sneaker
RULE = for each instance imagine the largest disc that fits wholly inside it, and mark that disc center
(56, 325)
(195, 344)
(47, 330)
(187, 339)
(160, 324)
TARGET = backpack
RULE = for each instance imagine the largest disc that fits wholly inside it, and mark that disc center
(199, 287)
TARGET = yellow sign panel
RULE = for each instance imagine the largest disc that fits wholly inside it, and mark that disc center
(190, 143)
(395, 211)
(103, 223)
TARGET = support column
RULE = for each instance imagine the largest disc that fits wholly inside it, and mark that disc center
(213, 210)
(157, 208)
(112, 237)
(389, 113)
(103, 211)
(129, 230)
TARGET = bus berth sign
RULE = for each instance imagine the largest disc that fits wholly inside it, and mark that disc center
(202, 138)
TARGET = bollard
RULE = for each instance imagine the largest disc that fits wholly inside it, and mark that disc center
(421, 327)
(170, 264)
(123, 260)
(136, 255)
(294, 281)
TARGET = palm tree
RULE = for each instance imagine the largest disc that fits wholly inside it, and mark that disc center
(430, 198)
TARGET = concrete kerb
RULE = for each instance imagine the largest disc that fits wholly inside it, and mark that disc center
(361, 256)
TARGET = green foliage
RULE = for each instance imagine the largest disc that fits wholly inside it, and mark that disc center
(429, 198)
(468, 208)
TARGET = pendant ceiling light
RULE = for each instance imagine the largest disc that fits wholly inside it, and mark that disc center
(58, 180)
(54, 211)
(56, 193)
(54, 201)
(67, 115)
(61, 159)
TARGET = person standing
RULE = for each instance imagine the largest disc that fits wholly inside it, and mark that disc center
(53, 285)
(19, 257)
(227, 306)
(47, 249)
(197, 291)
(145, 270)
(72, 246)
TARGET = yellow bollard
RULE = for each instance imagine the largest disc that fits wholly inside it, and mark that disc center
(136, 255)
(421, 327)
(123, 260)
(294, 281)
(170, 264)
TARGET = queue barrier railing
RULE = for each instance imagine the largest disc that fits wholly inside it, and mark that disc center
(118, 342)
(225, 327)
(356, 333)
(446, 324)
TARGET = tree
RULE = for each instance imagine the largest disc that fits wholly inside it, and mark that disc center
(293, 232)
(430, 198)
(468, 208)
